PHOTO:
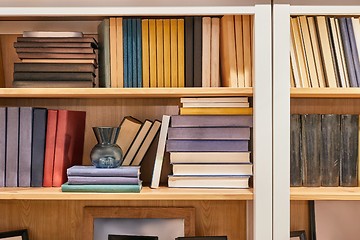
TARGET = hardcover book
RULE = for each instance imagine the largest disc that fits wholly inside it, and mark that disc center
(212, 169)
(129, 127)
(58, 40)
(92, 171)
(131, 237)
(207, 145)
(54, 76)
(204, 133)
(136, 188)
(211, 121)
(216, 111)
(54, 67)
(210, 157)
(109, 180)
(208, 181)
(189, 51)
(3, 113)
(295, 151)
(12, 147)
(104, 53)
(51, 130)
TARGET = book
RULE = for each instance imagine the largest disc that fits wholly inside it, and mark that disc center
(207, 145)
(146, 143)
(206, 52)
(210, 157)
(51, 130)
(130, 52)
(215, 104)
(131, 237)
(329, 27)
(69, 145)
(104, 53)
(211, 121)
(135, 145)
(354, 49)
(113, 52)
(189, 51)
(145, 53)
(109, 180)
(159, 158)
(294, 61)
(295, 151)
(212, 169)
(139, 52)
(119, 52)
(174, 52)
(208, 181)
(12, 147)
(311, 145)
(32, 60)
(59, 40)
(135, 188)
(38, 146)
(330, 150)
(54, 50)
(214, 99)
(215, 52)
(247, 28)
(50, 34)
(239, 43)
(52, 84)
(54, 67)
(349, 150)
(197, 51)
(54, 76)
(160, 52)
(41, 45)
(203, 238)
(181, 52)
(3, 117)
(152, 53)
(343, 61)
(92, 171)
(204, 133)
(134, 52)
(129, 127)
(167, 53)
(42, 55)
(216, 111)
(125, 52)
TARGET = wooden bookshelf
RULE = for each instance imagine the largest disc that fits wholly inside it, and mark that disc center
(325, 92)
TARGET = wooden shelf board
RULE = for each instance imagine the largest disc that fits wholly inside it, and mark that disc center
(319, 9)
(122, 92)
(325, 92)
(162, 193)
(325, 193)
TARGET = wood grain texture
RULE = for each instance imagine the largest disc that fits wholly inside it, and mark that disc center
(325, 106)
(9, 57)
(299, 217)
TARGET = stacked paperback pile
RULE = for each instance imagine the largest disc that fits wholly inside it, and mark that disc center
(325, 52)
(92, 179)
(210, 151)
(38, 145)
(55, 59)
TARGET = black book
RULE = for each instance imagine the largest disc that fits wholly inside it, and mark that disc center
(189, 51)
(59, 40)
(295, 149)
(54, 50)
(330, 150)
(349, 150)
(131, 237)
(43, 55)
(203, 238)
(197, 51)
(310, 155)
(53, 76)
(54, 67)
(354, 50)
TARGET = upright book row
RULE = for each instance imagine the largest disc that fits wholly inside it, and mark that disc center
(324, 150)
(37, 145)
(176, 52)
(325, 52)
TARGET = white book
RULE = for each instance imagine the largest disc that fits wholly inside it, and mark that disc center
(208, 181)
(50, 34)
(212, 169)
(210, 157)
(215, 99)
(215, 104)
(155, 181)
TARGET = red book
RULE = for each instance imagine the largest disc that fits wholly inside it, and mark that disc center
(50, 147)
(69, 143)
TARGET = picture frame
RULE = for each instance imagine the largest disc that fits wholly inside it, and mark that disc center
(15, 235)
(297, 235)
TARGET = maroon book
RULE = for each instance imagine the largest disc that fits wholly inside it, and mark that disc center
(50, 147)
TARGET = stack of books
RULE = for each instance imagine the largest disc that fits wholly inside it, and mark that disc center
(210, 151)
(55, 59)
(92, 179)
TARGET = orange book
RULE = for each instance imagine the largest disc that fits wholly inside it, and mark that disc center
(174, 51)
(216, 111)
(119, 53)
(181, 53)
(239, 42)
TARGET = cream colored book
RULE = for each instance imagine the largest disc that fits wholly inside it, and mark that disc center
(119, 53)
(160, 53)
(239, 43)
(233, 182)
(167, 53)
(294, 61)
(181, 53)
(113, 53)
(356, 26)
(152, 53)
(145, 53)
(247, 50)
(214, 99)
(292, 80)
(206, 48)
(215, 52)
(218, 169)
(214, 104)
(129, 127)
(209, 157)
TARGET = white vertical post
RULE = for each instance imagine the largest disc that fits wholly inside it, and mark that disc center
(281, 121)
(262, 123)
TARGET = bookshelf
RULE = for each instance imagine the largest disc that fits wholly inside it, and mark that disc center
(240, 214)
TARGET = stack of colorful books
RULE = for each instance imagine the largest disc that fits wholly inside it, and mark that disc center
(125, 179)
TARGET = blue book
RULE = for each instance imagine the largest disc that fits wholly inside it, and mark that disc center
(134, 52)
(354, 51)
(125, 44)
(139, 52)
(130, 53)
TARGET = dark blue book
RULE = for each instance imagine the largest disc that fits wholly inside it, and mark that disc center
(2, 145)
(12, 147)
(125, 50)
(38, 146)
(130, 54)
(189, 51)
(139, 52)
(354, 51)
(207, 145)
(134, 52)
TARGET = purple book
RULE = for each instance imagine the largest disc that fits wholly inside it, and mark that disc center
(81, 180)
(211, 121)
(206, 133)
(12, 147)
(25, 142)
(207, 146)
(91, 171)
(2, 145)
(354, 47)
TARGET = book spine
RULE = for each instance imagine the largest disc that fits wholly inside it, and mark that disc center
(330, 150)
(79, 180)
(53, 76)
(152, 53)
(54, 67)
(51, 131)
(167, 53)
(181, 53)
(207, 146)
(349, 150)
(197, 51)
(204, 133)
(145, 53)
(206, 52)
(125, 52)
(12, 147)
(160, 52)
(104, 53)
(101, 188)
(354, 49)
(211, 121)
(174, 52)
(3, 116)
(130, 53)
(310, 152)
(106, 172)
(189, 51)
(216, 111)
(139, 52)
(336, 64)
(295, 146)
(134, 52)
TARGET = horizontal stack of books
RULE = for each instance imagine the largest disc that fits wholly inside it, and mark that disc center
(210, 151)
(112, 180)
(55, 59)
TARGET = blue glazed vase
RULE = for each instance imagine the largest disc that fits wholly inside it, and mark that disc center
(106, 153)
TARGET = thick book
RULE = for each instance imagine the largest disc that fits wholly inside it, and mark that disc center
(216, 111)
(135, 188)
(52, 84)
(208, 181)
(69, 143)
(212, 169)
(210, 157)
(203, 238)
(167, 53)
(51, 130)
(207, 145)
(109, 180)
(152, 53)
(54, 76)
(41, 45)
(134, 52)
(113, 52)
(44, 55)
(211, 121)
(138, 53)
(295, 151)
(38, 146)
(92, 171)
(130, 53)
(197, 51)
(119, 52)
(330, 150)
(104, 53)
(12, 147)
(55, 50)
(349, 141)
(354, 49)
(125, 52)
(189, 51)
(50, 34)
(3, 113)
(54, 67)
(131, 237)
(129, 127)
(203, 133)
(311, 145)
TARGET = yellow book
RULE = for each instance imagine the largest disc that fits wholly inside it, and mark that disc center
(206, 48)
(216, 111)
(247, 50)
(113, 53)
(167, 53)
(173, 49)
(119, 53)
(145, 52)
(239, 50)
(181, 53)
(160, 53)
(152, 51)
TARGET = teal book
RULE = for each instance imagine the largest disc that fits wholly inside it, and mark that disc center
(104, 53)
(139, 52)
(136, 188)
(125, 52)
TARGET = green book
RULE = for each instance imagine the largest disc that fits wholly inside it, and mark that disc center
(102, 188)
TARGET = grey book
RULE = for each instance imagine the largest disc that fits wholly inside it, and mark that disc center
(354, 49)
(207, 145)
(349, 150)
(104, 53)
(91, 171)
(330, 150)
(310, 152)
(2, 145)
(295, 149)
(25, 143)
(219, 133)
(12, 147)
(211, 121)
(81, 180)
